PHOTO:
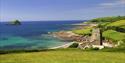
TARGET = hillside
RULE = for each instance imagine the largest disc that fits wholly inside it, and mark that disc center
(107, 19)
(112, 29)
(117, 23)
(114, 35)
(64, 56)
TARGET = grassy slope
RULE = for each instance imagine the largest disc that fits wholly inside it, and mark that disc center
(64, 56)
(107, 19)
(83, 31)
(120, 24)
(117, 23)
(114, 35)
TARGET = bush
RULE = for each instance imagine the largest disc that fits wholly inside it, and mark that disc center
(95, 48)
(74, 45)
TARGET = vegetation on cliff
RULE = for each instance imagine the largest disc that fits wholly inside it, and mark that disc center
(86, 31)
(114, 35)
(15, 22)
(112, 28)
(107, 19)
(117, 23)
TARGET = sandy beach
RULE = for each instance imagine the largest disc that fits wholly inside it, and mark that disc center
(63, 46)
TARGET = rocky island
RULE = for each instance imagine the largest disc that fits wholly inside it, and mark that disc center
(15, 22)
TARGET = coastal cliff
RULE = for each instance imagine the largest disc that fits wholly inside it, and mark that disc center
(97, 33)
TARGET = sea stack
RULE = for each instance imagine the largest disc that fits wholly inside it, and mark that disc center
(15, 22)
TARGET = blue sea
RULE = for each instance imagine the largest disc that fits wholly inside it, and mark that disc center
(32, 34)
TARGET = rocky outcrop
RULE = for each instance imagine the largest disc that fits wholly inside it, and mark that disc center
(93, 41)
(70, 36)
(15, 22)
(65, 35)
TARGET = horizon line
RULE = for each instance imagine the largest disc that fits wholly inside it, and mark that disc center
(41, 20)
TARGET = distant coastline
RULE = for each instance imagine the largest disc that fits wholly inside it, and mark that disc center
(43, 20)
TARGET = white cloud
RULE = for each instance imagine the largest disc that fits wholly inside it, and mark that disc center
(116, 3)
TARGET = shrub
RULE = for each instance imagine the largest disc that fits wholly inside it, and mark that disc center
(74, 45)
(95, 48)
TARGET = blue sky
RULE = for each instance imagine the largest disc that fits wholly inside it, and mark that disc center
(27, 10)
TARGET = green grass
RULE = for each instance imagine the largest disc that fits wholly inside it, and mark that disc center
(86, 31)
(114, 35)
(64, 56)
(118, 23)
(123, 27)
(108, 19)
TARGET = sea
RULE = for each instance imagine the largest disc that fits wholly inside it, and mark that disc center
(33, 34)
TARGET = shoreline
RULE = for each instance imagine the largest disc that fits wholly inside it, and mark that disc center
(62, 46)
(36, 50)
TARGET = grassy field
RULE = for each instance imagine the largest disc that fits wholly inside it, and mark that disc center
(64, 56)
(117, 23)
(114, 35)
(83, 31)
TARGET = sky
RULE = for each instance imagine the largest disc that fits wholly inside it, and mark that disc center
(27, 10)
